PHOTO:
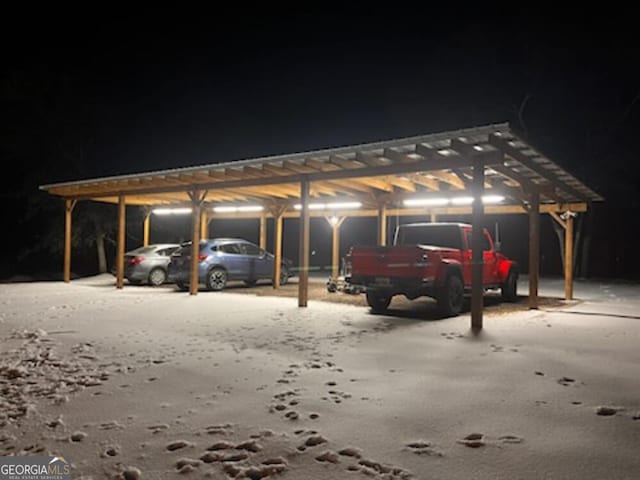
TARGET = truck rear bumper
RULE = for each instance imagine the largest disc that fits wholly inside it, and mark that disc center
(409, 287)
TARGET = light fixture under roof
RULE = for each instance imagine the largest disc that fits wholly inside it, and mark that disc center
(331, 206)
(443, 201)
(238, 208)
(171, 211)
(426, 202)
(462, 201)
(492, 199)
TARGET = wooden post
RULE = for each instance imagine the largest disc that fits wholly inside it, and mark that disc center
(303, 276)
(145, 228)
(263, 231)
(336, 223)
(204, 223)
(68, 209)
(121, 241)
(196, 204)
(277, 250)
(534, 248)
(382, 225)
(477, 254)
(568, 257)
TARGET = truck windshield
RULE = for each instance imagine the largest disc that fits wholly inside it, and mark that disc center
(447, 236)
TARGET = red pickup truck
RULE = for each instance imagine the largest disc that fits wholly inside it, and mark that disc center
(429, 259)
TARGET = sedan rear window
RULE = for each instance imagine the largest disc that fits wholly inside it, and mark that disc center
(143, 250)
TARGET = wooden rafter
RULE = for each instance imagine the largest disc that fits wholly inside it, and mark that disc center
(518, 154)
(449, 178)
(400, 157)
(425, 181)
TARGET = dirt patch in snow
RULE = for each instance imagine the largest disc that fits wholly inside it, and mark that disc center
(400, 305)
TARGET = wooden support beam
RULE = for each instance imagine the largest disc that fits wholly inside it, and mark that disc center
(534, 248)
(197, 199)
(68, 210)
(335, 223)
(303, 276)
(195, 247)
(277, 213)
(146, 227)
(382, 224)
(477, 254)
(204, 223)
(121, 242)
(557, 218)
(263, 231)
(568, 256)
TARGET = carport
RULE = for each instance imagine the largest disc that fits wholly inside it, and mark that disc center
(473, 171)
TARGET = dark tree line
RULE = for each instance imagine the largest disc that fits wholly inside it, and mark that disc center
(47, 134)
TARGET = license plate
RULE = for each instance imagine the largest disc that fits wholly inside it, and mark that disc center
(385, 281)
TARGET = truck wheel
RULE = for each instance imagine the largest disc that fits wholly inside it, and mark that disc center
(510, 287)
(378, 301)
(451, 296)
(182, 286)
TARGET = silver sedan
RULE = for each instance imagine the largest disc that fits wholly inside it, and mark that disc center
(148, 264)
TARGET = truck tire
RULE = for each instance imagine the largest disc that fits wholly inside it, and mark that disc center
(510, 287)
(378, 301)
(451, 296)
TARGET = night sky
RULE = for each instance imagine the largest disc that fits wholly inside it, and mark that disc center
(102, 95)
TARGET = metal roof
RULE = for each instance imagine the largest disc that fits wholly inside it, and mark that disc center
(392, 169)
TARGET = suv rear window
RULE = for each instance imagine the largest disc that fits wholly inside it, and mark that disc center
(233, 248)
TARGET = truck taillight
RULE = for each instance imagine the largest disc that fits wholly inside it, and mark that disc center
(347, 268)
(202, 257)
(135, 261)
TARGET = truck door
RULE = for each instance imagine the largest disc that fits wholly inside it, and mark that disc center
(489, 274)
(489, 260)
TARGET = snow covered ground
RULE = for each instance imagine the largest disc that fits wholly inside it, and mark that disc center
(152, 383)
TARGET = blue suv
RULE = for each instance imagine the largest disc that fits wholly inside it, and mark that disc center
(224, 259)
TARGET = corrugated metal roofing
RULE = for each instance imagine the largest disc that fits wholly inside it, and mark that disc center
(407, 166)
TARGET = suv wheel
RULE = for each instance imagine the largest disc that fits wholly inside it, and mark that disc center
(216, 279)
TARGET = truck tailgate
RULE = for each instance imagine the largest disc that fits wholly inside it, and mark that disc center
(399, 261)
